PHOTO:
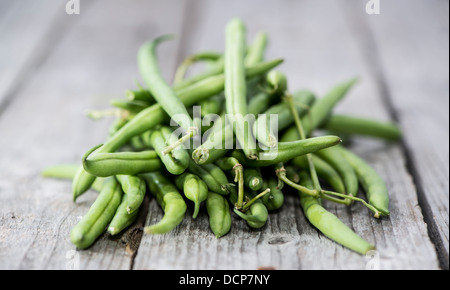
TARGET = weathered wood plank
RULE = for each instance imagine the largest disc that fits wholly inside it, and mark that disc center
(416, 74)
(23, 24)
(94, 61)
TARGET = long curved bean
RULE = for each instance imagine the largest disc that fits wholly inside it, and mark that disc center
(213, 184)
(170, 200)
(100, 214)
(253, 178)
(288, 150)
(163, 93)
(235, 85)
(193, 188)
(122, 218)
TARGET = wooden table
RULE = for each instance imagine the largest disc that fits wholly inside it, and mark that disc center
(54, 66)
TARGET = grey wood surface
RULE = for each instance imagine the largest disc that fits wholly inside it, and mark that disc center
(54, 66)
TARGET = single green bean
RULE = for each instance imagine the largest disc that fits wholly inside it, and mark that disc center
(177, 162)
(329, 224)
(120, 163)
(140, 95)
(152, 116)
(352, 125)
(373, 184)
(334, 158)
(122, 218)
(235, 85)
(194, 188)
(253, 178)
(276, 82)
(133, 107)
(219, 214)
(257, 49)
(160, 90)
(100, 214)
(288, 150)
(170, 200)
(256, 216)
(134, 188)
(69, 171)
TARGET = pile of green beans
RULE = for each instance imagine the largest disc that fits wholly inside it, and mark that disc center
(157, 147)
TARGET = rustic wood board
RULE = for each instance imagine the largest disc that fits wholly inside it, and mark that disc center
(89, 58)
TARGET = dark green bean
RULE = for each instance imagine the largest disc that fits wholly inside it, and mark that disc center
(194, 188)
(288, 150)
(253, 178)
(235, 85)
(170, 200)
(373, 184)
(352, 125)
(100, 214)
(329, 224)
(273, 200)
(219, 214)
(120, 163)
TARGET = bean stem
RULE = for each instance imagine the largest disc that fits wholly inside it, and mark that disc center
(249, 203)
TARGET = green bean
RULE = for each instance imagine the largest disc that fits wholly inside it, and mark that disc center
(274, 200)
(217, 69)
(329, 224)
(194, 188)
(259, 103)
(324, 170)
(140, 95)
(190, 60)
(265, 132)
(352, 125)
(152, 116)
(116, 125)
(160, 90)
(371, 181)
(219, 214)
(208, 178)
(334, 157)
(288, 150)
(232, 164)
(137, 143)
(100, 214)
(177, 162)
(120, 163)
(170, 200)
(218, 174)
(320, 110)
(133, 107)
(122, 218)
(253, 178)
(235, 85)
(256, 50)
(134, 188)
